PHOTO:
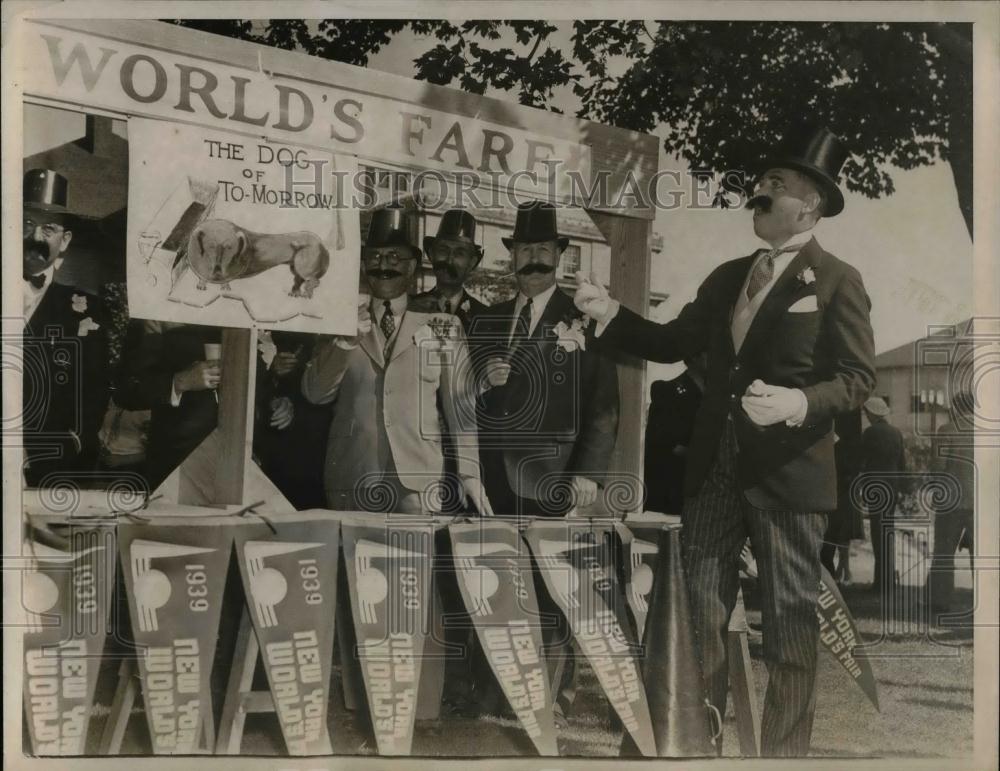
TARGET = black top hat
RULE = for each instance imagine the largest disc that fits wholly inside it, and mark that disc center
(536, 221)
(390, 226)
(819, 154)
(46, 191)
(456, 225)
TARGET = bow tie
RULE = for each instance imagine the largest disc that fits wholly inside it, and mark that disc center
(37, 281)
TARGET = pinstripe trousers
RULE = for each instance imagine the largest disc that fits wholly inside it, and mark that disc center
(786, 545)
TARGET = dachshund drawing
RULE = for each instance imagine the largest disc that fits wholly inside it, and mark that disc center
(220, 251)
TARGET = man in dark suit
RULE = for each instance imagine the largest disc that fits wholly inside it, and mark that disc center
(790, 347)
(167, 369)
(65, 344)
(454, 254)
(883, 455)
(549, 417)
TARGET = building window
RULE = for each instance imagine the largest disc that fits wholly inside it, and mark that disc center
(570, 263)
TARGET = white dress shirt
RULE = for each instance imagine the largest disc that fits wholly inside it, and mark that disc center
(33, 297)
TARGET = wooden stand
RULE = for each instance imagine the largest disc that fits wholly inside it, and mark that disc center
(741, 684)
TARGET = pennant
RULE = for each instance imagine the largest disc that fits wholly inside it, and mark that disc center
(389, 577)
(839, 634)
(577, 568)
(175, 575)
(640, 547)
(290, 581)
(494, 575)
(67, 596)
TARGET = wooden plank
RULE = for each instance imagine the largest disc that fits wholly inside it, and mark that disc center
(234, 714)
(744, 694)
(630, 271)
(235, 429)
(121, 709)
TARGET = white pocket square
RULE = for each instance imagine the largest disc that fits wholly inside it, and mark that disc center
(805, 305)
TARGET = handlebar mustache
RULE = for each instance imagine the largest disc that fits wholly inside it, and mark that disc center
(386, 274)
(762, 202)
(535, 267)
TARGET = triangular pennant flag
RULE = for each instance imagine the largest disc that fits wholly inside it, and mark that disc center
(640, 546)
(493, 569)
(175, 576)
(67, 598)
(576, 565)
(389, 578)
(290, 580)
(838, 632)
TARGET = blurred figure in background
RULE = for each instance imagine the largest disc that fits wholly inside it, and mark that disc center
(846, 523)
(883, 455)
(669, 427)
(953, 453)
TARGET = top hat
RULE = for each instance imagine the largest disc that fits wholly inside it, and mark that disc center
(456, 225)
(46, 191)
(876, 406)
(536, 221)
(390, 226)
(819, 154)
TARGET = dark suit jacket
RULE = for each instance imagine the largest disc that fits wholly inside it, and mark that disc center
(427, 302)
(65, 387)
(669, 426)
(145, 379)
(828, 353)
(557, 415)
(883, 452)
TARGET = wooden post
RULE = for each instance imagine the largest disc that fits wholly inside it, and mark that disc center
(630, 272)
(236, 412)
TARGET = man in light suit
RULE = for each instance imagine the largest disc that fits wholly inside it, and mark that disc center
(790, 347)
(396, 386)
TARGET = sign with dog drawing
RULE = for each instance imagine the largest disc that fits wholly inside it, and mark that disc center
(238, 231)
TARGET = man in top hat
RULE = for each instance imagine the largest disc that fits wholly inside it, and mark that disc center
(454, 254)
(790, 346)
(883, 455)
(549, 417)
(65, 343)
(402, 380)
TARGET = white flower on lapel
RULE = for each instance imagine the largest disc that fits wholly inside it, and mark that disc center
(79, 303)
(86, 325)
(571, 337)
(266, 347)
(442, 327)
(807, 276)
(465, 306)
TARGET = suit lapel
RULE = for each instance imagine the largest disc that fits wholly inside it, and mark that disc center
(737, 277)
(404, 337)
(777, 300)
(369, 343)
(555, 311)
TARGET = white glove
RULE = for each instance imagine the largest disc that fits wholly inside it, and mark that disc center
(593, 299)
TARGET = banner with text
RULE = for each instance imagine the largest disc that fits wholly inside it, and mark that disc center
(839, 634)
(175, 576)
(493, 568)
(67, 596)
(389, 577)
(342, 114)
(577, 563)
(236, 232)
(290, 580)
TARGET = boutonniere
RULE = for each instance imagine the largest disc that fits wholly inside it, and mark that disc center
(572, 336)
(266, 347)
(466, 306)
(86, 325)
(442, 328)
(79, 303)
(807, 276)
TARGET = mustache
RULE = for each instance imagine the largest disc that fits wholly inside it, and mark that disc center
(535, 267)
(383, 274)
(761, 202)
(34, 248)
(445, 267)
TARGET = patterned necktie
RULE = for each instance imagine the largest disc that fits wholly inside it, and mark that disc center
(522, 327)
(444, 305)
(37, 281)
(388, 327)
(763, 272)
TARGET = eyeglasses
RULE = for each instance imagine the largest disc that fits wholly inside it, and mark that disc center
(390, 258)
(48, 229)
